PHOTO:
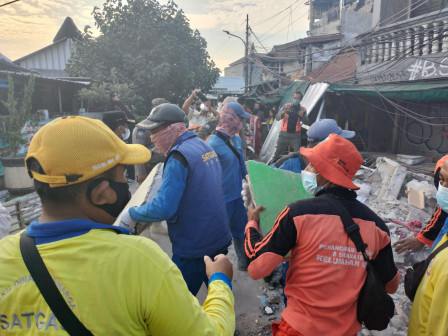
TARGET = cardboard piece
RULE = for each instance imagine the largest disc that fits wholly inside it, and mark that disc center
(275, 189)
(416, 198)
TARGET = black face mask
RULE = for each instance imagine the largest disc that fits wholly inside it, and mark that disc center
(123, 196)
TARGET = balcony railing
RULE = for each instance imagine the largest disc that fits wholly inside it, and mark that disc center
(412, 38)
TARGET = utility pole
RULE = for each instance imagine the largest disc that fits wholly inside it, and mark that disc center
(246, 54)
(246, 72)
(252, 54)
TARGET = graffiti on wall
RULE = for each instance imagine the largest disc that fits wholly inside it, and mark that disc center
(432, 137)
(390, 77)
(428, 69)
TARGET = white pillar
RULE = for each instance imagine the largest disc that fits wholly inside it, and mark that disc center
(426, 39)
(381, 49)
(375, 50)
(393, 51)
(368, 53)
(417, 46)
(387, 47)
(435, 37)
(444, 36)
(408, 41)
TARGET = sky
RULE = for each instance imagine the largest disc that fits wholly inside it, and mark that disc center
(28, 25)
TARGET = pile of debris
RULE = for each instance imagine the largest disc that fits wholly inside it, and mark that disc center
(405, 200)
(23, 209)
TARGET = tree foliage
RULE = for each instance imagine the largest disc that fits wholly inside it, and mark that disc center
(19, 112)
(148, 45)
(97, 97)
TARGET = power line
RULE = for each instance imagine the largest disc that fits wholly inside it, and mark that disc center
(8, 3)
(258, 39)
(283, 18)
(400, 57)
(275, 15)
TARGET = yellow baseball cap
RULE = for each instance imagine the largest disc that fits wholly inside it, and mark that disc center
(75, 149)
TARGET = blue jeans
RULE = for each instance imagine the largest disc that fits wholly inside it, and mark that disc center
(237, 215)
(193, 269)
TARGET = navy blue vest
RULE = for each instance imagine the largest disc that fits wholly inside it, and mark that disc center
(199, 226)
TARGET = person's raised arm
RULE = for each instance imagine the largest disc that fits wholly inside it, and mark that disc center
(188, 102)
(210, 108)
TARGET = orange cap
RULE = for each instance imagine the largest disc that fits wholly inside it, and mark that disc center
(440, 163)
(336, 159)
(75, 149)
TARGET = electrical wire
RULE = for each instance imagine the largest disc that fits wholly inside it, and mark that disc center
(9, 3)
(275, 15)
(282, 19)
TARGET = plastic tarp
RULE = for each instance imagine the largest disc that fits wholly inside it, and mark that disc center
(272, 100)
(288, 91)
(268, 149)
(284, 94)
(312, 96)
(422, 90)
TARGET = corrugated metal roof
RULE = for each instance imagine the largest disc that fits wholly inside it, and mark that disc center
(340, 67)
(321, 38)
(3, 57)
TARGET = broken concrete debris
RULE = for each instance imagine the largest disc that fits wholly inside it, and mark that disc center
(410, 160)
(405, 200)
(384, 190)
(388, 179)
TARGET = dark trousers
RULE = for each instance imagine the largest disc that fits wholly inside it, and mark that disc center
(193, 269)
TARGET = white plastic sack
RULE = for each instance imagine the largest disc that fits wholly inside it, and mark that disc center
(5, 221)
(268, 149)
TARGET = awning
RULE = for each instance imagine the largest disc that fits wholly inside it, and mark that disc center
(288, 91)
(421, 90)
(271, 100)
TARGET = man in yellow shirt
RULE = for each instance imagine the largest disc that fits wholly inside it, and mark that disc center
(429, 314)
(115, 284)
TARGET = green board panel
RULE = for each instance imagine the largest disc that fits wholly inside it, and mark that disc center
(274, 188)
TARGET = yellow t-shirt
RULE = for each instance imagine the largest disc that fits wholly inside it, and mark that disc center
(429, 314)
(116, 284)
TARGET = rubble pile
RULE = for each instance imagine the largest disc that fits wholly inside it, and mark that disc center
(393, 192)
(404, 200)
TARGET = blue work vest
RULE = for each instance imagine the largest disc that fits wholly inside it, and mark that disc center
(199, 226)
(233, 171)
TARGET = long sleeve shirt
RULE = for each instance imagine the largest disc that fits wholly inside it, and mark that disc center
(432, 229)
(326, 272)
(169, 194)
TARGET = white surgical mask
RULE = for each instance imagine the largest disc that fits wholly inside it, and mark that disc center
(310, 182)
(204, 107)
(442, 197)
(126, 134)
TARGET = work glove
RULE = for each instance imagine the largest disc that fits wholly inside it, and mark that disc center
(127, 222)
(245, 192)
